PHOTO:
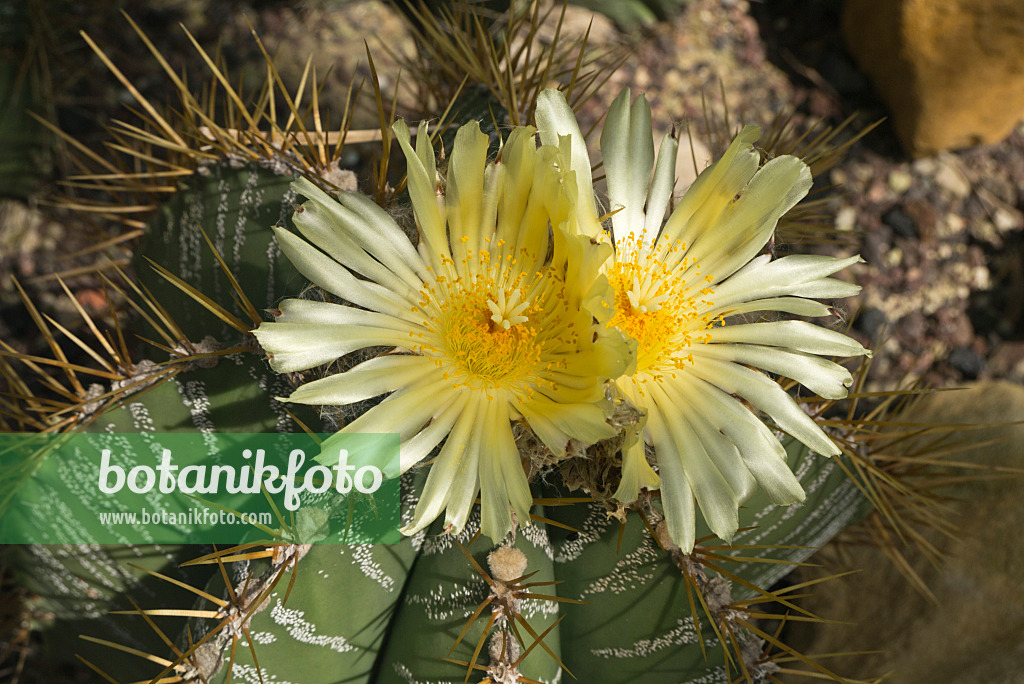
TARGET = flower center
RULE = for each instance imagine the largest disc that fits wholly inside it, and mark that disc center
(488, 339)
(658, 308)
(489, 330)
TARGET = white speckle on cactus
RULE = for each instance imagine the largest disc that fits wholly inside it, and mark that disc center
(406, 674)
(263, 637)
(304, 631)
(249, 675)
(194, 396)
(538, 536)
(362, 555)
(682, 633)
(445, 602)
(593, 528)
(631, 572)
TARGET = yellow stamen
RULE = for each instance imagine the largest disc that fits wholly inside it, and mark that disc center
(658, 308)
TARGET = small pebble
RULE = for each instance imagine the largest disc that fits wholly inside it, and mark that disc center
(846, 219)
(900, 181)
(969, 362)
(900, 222)
(948, 177)
(871, 322)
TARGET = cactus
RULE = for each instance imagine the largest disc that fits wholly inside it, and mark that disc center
(595, 588)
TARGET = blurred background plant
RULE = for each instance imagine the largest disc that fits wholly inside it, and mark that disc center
(147, 163)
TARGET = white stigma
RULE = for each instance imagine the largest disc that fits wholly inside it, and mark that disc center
(507, 311)
(641, 296)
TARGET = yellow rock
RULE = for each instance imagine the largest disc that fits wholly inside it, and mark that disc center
(951, 71)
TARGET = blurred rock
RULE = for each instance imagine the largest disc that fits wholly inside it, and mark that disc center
(972, 634)
(900, 222)
(1007, 361)
(922, 213)
(872, 322)
(951, 72)
(949, 176)
(900, 181)
(969, 362)
(911, 328)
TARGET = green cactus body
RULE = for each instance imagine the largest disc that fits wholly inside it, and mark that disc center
(235, 205)
(78, 586)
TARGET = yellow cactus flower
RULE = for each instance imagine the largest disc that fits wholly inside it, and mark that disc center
(488, 317)
(680, 282)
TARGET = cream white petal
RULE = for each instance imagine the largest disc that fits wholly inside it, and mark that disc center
(758, 262)
(821, 376)
(321, 230)
(419, 446)
(576, 381)
(379, 235)
(827, 288)
(555, 120)
(568, 395)
(797, 335)
(662, 185)
(555, 424)
(637, 474)
(369, 379)
(676, 495)
(762, 453)
(493, 192)
(314, 313)
(517, 170)
(455, 462)
(597, 361)
(795, 275)
(628, 152)
(721, 451)
(718, 501)
(405, 411)
(766, 395)
(368, 242)
(292, 348)
(465, 194)
(464, 489)
(746, 224)
(462, 499)
(422, 179)
(546, 211)
(503, 483)
(717, 474)
(790, 305)
(713, 190)
(338, 280)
